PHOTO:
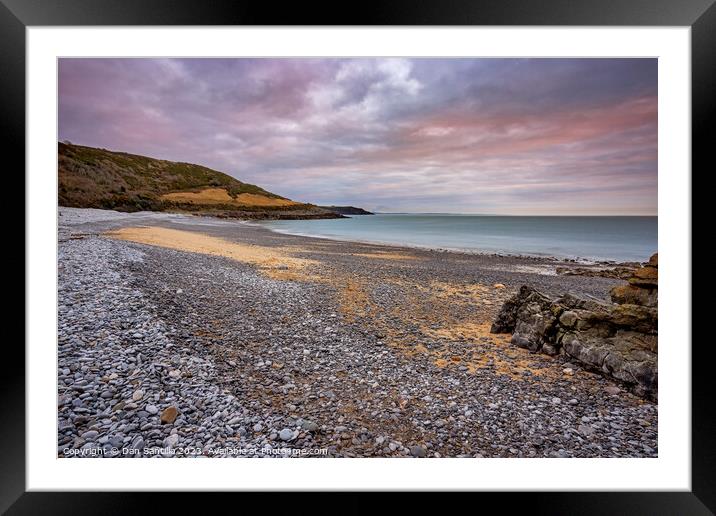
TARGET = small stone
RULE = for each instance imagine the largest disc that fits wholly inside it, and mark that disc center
(171, 441)
(179, 291)
(90, 435)
(585, 430)
(138, 395)
(286, 434)
(309, 426)
(175, 373)
(106, 394)
(568, 371)
(258, 427)
(169, 414)
(417, 451)
(556, 401)
(612, 389)
(137, 443)
(152, 409)
(499, 285)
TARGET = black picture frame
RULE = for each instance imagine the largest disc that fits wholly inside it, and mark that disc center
(700, 15)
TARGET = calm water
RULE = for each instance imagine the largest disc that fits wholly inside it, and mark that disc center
(591, 238)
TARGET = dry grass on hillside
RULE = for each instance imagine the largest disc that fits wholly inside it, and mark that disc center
(221, 196)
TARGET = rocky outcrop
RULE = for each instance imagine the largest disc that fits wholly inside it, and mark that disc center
(618, 339)
(346, 210)
(620, 272)
(642, 288)
(530, 316)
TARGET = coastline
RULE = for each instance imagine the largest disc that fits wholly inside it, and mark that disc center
(198, 219)
(572, 259)
(457, 250)
(307, 342)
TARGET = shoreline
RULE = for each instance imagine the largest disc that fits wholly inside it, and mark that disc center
(563, 260)
(578, 260)
(258, 339)
(205, 219)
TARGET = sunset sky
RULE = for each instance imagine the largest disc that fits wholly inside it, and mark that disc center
(499, 136)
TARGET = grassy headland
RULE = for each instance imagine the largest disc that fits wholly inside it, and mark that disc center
(98, 178)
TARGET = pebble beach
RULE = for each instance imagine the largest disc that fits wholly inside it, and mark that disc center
(186, 336)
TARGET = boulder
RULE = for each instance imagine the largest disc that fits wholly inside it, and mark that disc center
(642, 286)
(535, 324)
(507, 318)
(646, 276)
(633, 295)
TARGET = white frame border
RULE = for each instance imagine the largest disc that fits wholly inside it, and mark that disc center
(670, 471)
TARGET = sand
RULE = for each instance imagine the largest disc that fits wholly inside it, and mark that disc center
(271, 260)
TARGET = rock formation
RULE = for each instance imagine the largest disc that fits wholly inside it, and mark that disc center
(620, 272)
(618, 339)
(642, 287)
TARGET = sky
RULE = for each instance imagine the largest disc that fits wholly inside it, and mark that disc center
(494, 136)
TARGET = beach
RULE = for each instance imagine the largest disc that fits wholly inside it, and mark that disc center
(181, 335)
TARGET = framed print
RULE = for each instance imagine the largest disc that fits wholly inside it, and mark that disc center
(416, 249)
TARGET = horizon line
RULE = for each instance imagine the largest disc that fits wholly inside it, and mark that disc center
(503, 214)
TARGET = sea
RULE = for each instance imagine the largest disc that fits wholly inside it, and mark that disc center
(588, 239)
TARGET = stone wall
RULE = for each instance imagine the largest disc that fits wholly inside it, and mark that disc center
(618, 339)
